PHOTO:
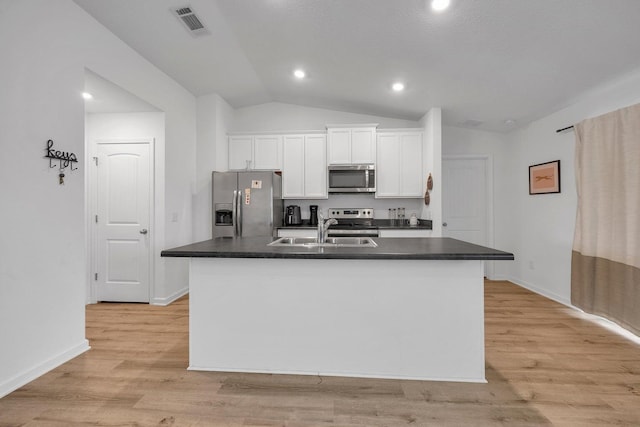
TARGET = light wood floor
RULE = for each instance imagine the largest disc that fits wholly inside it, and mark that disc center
(545, 366)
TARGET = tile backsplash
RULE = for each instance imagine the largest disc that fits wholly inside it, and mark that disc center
(380, 206)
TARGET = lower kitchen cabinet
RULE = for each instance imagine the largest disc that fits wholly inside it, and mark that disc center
(391, 232)
(304, 169)
(298, 232)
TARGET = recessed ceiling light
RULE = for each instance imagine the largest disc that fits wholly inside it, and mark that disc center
(87, 95)
(439, 5)
(397, 87)
(299, 74)
(509, 122)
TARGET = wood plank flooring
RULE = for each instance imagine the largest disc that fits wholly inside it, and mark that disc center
(545, 366)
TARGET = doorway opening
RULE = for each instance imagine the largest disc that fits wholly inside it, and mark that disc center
(467, 201)
(121, 134)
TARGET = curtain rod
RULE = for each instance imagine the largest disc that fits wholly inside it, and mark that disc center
(563, 129)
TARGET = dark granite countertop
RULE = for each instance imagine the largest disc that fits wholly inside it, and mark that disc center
(430, 248)
(423, 224)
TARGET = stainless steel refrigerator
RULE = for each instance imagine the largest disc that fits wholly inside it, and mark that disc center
(246, 203)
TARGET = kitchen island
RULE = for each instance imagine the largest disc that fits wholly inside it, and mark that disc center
(408, 308)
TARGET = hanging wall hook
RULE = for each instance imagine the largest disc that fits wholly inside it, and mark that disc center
(65, 159)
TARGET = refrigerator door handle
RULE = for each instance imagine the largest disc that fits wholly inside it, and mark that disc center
(240, 219)
(234, 214)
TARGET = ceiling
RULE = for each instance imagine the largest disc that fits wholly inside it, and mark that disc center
(484, 62)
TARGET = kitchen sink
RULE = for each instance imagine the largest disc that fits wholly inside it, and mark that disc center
(330, 242)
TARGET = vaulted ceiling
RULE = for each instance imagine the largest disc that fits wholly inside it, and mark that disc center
(485, 62)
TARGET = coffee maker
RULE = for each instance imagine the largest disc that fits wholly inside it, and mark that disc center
(313, 215)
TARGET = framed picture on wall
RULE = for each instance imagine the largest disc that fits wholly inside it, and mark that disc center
(544, 178)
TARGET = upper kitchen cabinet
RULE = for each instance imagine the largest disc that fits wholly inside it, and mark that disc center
(349, 145)
(255, 152)
(304, 171)
(399, 164)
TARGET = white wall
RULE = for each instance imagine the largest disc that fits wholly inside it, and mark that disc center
(432, 164)
(42, 248)
(539, 229)
(214, 116)
(224, 118)
(276, 116)
(545, 223)
(463, 142)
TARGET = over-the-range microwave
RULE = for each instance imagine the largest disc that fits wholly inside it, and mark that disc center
(352, 179)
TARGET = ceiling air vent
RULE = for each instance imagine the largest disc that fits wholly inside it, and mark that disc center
(191, 21)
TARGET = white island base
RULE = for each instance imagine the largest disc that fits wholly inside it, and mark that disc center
(404, 319)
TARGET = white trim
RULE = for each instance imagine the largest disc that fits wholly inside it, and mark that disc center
(607, 324)
(356, 125)
(321, 132)
(92, 209)
(577, 312)
(489, 199)
(398, 130)
(42, 368)
(277, 132)
(171, 298)
(540, 291)
(339, 374)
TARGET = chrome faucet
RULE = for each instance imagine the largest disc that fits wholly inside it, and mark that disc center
(323, 226)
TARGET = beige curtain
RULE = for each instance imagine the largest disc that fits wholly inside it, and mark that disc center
(605, 270)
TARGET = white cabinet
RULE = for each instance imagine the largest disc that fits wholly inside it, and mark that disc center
(399, 165)
(256, 152)
(297, 232)
(304, 169)
(352, 145)
(240, 152)
(267, 152)
(404, 233)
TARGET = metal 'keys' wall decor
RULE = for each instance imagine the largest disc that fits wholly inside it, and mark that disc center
(65, 160)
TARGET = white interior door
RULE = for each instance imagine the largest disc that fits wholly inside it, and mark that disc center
(123, 218)
(467, 200)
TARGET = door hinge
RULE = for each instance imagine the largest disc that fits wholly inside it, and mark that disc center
(95, 159)
(95, 276)
(96, 219)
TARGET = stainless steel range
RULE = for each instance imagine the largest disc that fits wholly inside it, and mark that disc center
(354, 222)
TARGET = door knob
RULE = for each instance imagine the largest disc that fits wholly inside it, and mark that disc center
(444, 224)
(143, 231)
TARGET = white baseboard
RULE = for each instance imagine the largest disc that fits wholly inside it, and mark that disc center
(171, 298)
(602, 321)
(31, 374)
(543, 292)
(338, 374)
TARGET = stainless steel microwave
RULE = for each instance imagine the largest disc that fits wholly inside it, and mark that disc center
(352, 179)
